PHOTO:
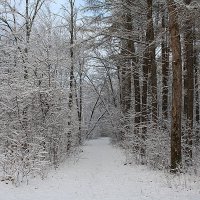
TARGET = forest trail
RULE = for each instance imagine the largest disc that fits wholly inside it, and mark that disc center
(99, 174)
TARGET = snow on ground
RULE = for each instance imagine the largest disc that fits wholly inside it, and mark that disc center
(100, 174)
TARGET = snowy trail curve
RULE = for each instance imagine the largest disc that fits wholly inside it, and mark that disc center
(99, 175)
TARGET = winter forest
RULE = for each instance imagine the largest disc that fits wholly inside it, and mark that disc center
(75, 73)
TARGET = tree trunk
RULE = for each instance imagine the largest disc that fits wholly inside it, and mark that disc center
(149, 68)
(80, 101)
(150, 39)
(137, 98)
(71, 80)
(189, 81)
(165, 65)
(176, 154)
(127, 54)
(27, 39)
(126, 78)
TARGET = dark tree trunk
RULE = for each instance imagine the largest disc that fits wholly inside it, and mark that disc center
(149, 67)
(126, 52)
(27, 39)
(71, 78)
(189, 81)
(80, 101)
(176, 154)
(197, 116)
(137, 98)
(126, 74)
(152, 61)
(165, 65)
(129, 68)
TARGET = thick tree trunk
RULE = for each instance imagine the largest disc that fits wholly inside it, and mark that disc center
(126, 77)
(126, 86)
(127, 54)
(189, 81)
(176, 154)
(149, 67)
(128, 70)
(152, 59)
(165, 65)
(152, 62)
(196, 139)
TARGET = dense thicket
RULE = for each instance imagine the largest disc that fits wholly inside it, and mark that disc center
(40, 87)
(152, 49)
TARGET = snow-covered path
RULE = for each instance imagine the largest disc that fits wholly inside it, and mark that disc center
(100, 175)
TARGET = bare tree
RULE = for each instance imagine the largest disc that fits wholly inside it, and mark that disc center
(71, 80)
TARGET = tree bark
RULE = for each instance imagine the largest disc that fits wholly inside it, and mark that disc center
(176, 154)
(150, 39)
(189, 81)
(71, 79)
(80, 101)
(127, 47)
(165, 65)
(149, 68)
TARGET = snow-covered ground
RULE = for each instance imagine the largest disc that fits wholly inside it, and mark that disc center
(100, 174)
